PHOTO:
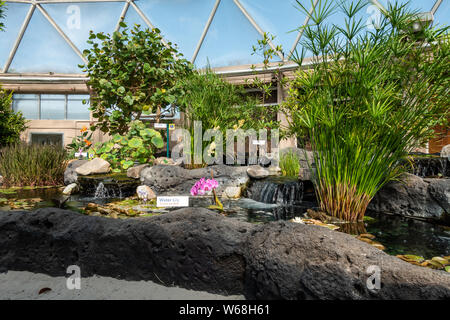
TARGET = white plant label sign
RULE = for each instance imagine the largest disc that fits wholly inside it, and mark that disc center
(175, 201)
(160, 125)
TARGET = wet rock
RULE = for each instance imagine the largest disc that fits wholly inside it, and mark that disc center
(71, 189)
(415, 197)
(232, 192)
(70, 175)
(193, 248)
(175, 180)
(307, 174)
(135, 172)
(274, 170)
(295, 261)
(164, 161)
(257, 172)
(95, 166)
(145, 193)
(445, 152)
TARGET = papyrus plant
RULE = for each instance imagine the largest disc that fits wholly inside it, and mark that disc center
(368, 99)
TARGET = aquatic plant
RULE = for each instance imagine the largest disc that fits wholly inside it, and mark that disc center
(32, 165)
(204, 186)
(368, 99)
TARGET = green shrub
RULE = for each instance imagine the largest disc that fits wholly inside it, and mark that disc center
(32, 165)
(368, 100)
(132, 73)
(138, 145)
(290, 164)
(11, 124)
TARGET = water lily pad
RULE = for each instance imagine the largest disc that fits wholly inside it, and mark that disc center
(412, 257)
(447, 268)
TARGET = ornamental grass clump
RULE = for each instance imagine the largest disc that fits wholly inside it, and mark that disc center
(32, 165)
(370, 97)
(290, 164)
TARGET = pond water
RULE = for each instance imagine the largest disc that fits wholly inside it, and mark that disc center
(399, 235)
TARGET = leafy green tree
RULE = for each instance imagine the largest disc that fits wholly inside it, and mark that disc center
(368, 100)
(11, 123)
(131, 73)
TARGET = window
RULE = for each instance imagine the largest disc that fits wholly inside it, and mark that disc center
(55, 139)
(52, 106)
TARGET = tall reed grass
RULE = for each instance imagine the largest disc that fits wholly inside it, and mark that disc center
(32, 165)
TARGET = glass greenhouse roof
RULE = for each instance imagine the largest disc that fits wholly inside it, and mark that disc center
(50, 36)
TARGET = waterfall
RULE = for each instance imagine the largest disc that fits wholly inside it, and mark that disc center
(102, 192)
(282, 192)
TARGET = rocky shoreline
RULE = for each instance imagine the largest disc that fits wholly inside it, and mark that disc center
(202, 250)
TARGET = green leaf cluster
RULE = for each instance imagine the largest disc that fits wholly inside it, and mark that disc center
(12, 124)
(131, 73)
(138, 145)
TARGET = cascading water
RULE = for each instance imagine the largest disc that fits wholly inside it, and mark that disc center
(286, 192)
(111, 186)
(102, 192)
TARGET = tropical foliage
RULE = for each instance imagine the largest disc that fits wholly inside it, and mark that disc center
(132, 73)
(12, 124)
(138, 145)
(2, 15)
(32, 165)
(368, 99)
(222, 105)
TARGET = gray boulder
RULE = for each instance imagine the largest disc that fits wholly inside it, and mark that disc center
(445, 152)
(70, 175)
(257, 172)
(135, 172)
(414, 197)
(294, 261)
(71, 189)
(202, 250)
(94, 166)
(175, 180)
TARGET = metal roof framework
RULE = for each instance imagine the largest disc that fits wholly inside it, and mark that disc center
(37, 5)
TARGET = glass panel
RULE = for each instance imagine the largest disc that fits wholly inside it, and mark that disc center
(421, 5)
(76, 110)
(28, 104)
(280, 18)
(53, 107)
(77, 19)
(180, 21)
(15, 16)
(229, 39)
(43, 50)
(132, 18)
(442, 15)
